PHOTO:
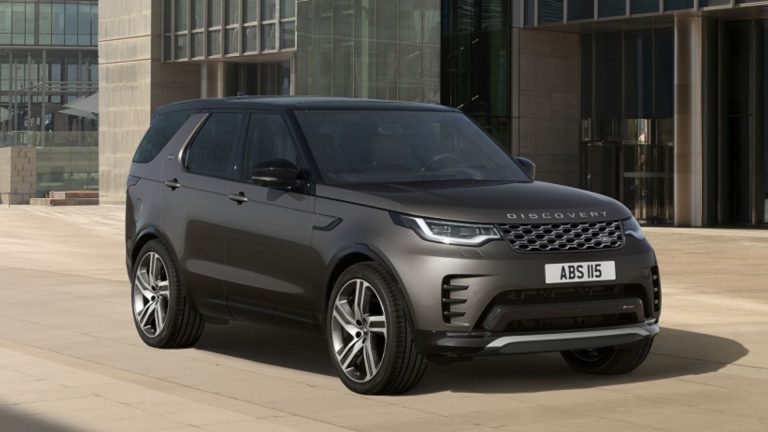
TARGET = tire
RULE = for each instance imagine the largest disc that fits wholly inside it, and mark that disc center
(180, 324)
(609, 361)
(380, 358)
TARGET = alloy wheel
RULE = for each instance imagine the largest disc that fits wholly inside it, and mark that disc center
(359, 330)
(151, 294)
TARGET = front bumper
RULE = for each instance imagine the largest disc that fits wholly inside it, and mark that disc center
(479, 343)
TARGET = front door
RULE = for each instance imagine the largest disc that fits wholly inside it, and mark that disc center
(268, 236)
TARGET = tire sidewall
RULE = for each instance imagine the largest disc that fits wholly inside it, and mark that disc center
(385, 290)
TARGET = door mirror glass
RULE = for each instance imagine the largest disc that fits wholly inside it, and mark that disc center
(528, 166)
(276, 173)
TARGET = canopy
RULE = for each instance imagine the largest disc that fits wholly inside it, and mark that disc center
(87, 107)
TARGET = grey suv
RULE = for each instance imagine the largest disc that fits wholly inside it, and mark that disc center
(400, 231)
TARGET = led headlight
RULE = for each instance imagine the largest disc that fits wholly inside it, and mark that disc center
(454, 233)
(632, 228)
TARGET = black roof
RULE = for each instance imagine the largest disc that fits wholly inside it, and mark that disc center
(300, 103)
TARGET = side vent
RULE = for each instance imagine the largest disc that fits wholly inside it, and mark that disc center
(450, 299)
(656, 283)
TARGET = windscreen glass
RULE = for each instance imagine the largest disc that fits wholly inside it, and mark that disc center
(358, 147)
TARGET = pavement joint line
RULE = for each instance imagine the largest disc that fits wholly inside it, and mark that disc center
(75, 275)
(737, 364)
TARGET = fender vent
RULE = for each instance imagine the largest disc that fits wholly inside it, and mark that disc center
(656, 283)
(450, 300)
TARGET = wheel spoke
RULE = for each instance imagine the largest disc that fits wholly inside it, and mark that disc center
(143, 284)
(152, 268)
(159, 317)
(362, 299)
(378, 324)
(369, 360)
(349, 353)
(341, 314)
(146, 313)
(162, 288)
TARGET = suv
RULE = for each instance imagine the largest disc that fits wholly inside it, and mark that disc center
(401, 231)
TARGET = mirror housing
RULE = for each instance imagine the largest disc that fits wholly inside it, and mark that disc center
(528, 166)
(278, 174)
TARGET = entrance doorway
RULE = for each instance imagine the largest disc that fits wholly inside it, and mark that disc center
(263, 79)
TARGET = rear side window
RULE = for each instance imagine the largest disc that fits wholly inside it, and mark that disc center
(211, 152)
(163, 128)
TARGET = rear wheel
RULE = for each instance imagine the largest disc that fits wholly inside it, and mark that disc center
(369, 334)
(164, 316)
(610, 360)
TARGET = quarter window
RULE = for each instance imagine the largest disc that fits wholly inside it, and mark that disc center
(162, 129)
(268, 141)
(210, 153)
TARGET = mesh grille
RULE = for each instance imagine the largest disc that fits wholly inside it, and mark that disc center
(564, 236)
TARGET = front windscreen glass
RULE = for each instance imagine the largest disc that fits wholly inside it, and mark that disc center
(358, 147)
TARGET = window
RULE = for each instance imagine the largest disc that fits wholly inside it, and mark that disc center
(162, 129)
(268, 140)
(211, 152)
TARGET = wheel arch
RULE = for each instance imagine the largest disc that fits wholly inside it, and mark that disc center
(349, 256)
(145, 236)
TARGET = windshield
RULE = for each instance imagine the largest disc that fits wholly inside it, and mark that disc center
(354, 147)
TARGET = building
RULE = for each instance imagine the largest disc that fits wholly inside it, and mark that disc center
(48, 59)
(659, 103)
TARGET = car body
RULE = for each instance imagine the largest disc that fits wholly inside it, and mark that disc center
(536, 267)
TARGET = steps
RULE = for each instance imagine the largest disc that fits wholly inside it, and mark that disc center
(70, 198)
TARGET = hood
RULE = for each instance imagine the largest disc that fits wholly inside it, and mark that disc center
(536, 202)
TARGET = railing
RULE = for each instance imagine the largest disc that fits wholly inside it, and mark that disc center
(49, 139)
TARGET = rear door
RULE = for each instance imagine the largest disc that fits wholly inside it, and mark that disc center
(269, 235)
(196, 186)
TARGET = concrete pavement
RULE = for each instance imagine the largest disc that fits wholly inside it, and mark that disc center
(70, 359)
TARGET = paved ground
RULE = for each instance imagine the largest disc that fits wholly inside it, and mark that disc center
(70, 359)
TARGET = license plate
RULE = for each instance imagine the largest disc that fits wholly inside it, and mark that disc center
(580, 272)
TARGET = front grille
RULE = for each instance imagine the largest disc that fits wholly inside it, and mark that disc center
(564, 236)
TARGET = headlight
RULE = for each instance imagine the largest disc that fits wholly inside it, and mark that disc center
(453, 233)
(632, 228)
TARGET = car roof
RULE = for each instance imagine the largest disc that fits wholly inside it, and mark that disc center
(301, 103)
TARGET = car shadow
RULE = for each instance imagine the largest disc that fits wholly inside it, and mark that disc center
(675, 353)
(12, 420)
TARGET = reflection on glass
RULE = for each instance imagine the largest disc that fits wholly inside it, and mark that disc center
(268, 10)
(550, 11)
(288, 35)
(267, 37)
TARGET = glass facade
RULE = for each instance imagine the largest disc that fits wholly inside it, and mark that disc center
(477, 62)
(200, 29)
(627, 119)
(48, 59)
(384, 49)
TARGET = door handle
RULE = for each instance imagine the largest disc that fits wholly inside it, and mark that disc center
(239, 198)
(173, 184)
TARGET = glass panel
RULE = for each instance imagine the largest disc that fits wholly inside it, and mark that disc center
(643, 6)
(638, 82)
(198, 14)
(167, 14)
(665, 73)
(211, 152)
(707, 3)
(268, 10)
(529, 12)
(167, 48)
(287, 8)
(233, 11)
(59, 19)
(181, 47)
(6, 18)
(162, 129)
(182, 14)
(214, 14)
(763, 122)
(550, 11)
(84, 19)
(586, 85)
(611, 8)
(251, 39)
(231, 41)
(198, 44)
(251, 12)
(579, 10)
(259, 152)
(608, 75)
(214, 43)
(267, 37)
(678, 4)
(288, 35)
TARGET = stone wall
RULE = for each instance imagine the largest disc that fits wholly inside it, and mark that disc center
(18, 174)
(133, 82)
(548, 110)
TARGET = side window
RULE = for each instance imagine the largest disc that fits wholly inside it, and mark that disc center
(163, 128)
(211, 152)
(268, 140)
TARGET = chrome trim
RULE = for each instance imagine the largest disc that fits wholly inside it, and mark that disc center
(645, 331)
(188, 140)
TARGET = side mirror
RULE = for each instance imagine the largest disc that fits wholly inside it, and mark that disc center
(278, 174)
(528, 166)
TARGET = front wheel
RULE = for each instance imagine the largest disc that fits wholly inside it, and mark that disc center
(610, 360)
(369, 334)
